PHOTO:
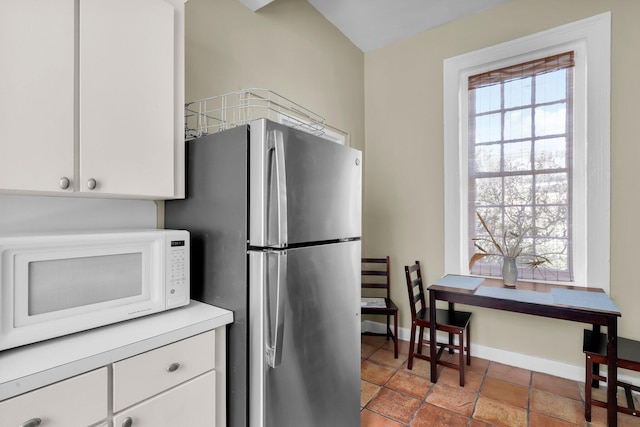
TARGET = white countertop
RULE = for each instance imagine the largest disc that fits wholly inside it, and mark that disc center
(33, 366)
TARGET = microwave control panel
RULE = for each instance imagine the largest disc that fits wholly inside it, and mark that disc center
(178, 273)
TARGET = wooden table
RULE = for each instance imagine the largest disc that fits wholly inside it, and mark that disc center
(537, 299)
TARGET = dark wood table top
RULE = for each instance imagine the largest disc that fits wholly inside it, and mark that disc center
(492, 293)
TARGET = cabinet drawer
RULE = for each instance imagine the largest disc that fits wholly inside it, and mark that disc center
(150, 373)
(77, 402)
(189, 404)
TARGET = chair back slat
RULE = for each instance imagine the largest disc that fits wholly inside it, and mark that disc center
(375, 277)
(417, 299)
(374, 285)
(374, 273)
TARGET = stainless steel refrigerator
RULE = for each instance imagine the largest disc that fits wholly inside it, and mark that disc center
(275, 221)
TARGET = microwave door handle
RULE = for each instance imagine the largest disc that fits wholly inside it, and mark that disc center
(275, 338)
(276, 147)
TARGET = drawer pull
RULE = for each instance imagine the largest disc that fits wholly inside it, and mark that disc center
(127, 422)
(33, 422)
(173, 367)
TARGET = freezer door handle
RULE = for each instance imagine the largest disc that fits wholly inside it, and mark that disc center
(278, 177)
(275, 310)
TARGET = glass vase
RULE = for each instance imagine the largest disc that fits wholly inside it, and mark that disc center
(509, 271)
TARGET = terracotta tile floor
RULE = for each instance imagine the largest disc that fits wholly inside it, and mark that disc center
(494, 394)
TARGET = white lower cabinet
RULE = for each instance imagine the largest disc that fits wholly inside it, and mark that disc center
(179, 384)
(189, 404)
(148, 374)
(170, 386)
(76, 402)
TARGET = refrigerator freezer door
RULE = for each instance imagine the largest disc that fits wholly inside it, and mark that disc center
(302, 188)
(304, 336)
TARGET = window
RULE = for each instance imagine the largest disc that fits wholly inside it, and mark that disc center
(520, 165)
(577, 192)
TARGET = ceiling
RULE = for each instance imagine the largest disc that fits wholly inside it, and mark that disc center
(371, 24)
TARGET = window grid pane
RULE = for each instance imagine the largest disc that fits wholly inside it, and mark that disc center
(519, 171)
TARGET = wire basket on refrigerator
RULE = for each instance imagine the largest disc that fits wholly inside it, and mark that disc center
(233, 109)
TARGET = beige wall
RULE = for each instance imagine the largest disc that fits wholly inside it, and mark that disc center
(403, 205)
(290, 48)
(287, 47)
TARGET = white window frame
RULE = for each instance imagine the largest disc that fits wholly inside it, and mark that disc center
(591, 40)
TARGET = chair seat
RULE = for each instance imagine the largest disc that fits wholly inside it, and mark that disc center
(444, 318)
(390, 307)
(628, 350)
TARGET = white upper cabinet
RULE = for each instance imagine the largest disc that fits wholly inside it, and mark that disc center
(91, 96)
(126, 96)
(37, 44)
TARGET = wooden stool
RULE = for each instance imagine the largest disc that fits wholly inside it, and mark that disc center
(594, 347)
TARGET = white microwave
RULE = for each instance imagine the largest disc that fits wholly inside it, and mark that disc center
(53, 285)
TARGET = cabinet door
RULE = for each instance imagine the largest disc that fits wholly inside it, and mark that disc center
(77, 402)
(36, 94)
(189, 404)
(127, 97)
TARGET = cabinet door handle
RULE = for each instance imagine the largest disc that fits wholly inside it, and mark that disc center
(127, 422)
(173, 367)
(64, 182)
(92, 184)
(33, 422)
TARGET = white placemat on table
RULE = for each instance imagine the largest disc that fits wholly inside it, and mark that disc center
(460, 282)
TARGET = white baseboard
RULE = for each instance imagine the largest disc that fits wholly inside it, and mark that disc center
(532, 363)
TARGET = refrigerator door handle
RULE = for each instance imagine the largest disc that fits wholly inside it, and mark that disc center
(275, 338)
(276, 149)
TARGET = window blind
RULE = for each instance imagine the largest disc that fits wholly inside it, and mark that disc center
(520, 163)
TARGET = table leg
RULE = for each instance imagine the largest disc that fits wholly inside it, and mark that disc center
(432, 336)
(451, 307)
(395, 335)
(595, 366)
(612, 371)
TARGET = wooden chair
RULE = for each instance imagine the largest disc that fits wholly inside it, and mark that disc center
(375, 284)
(595, 350)
(453, 322)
